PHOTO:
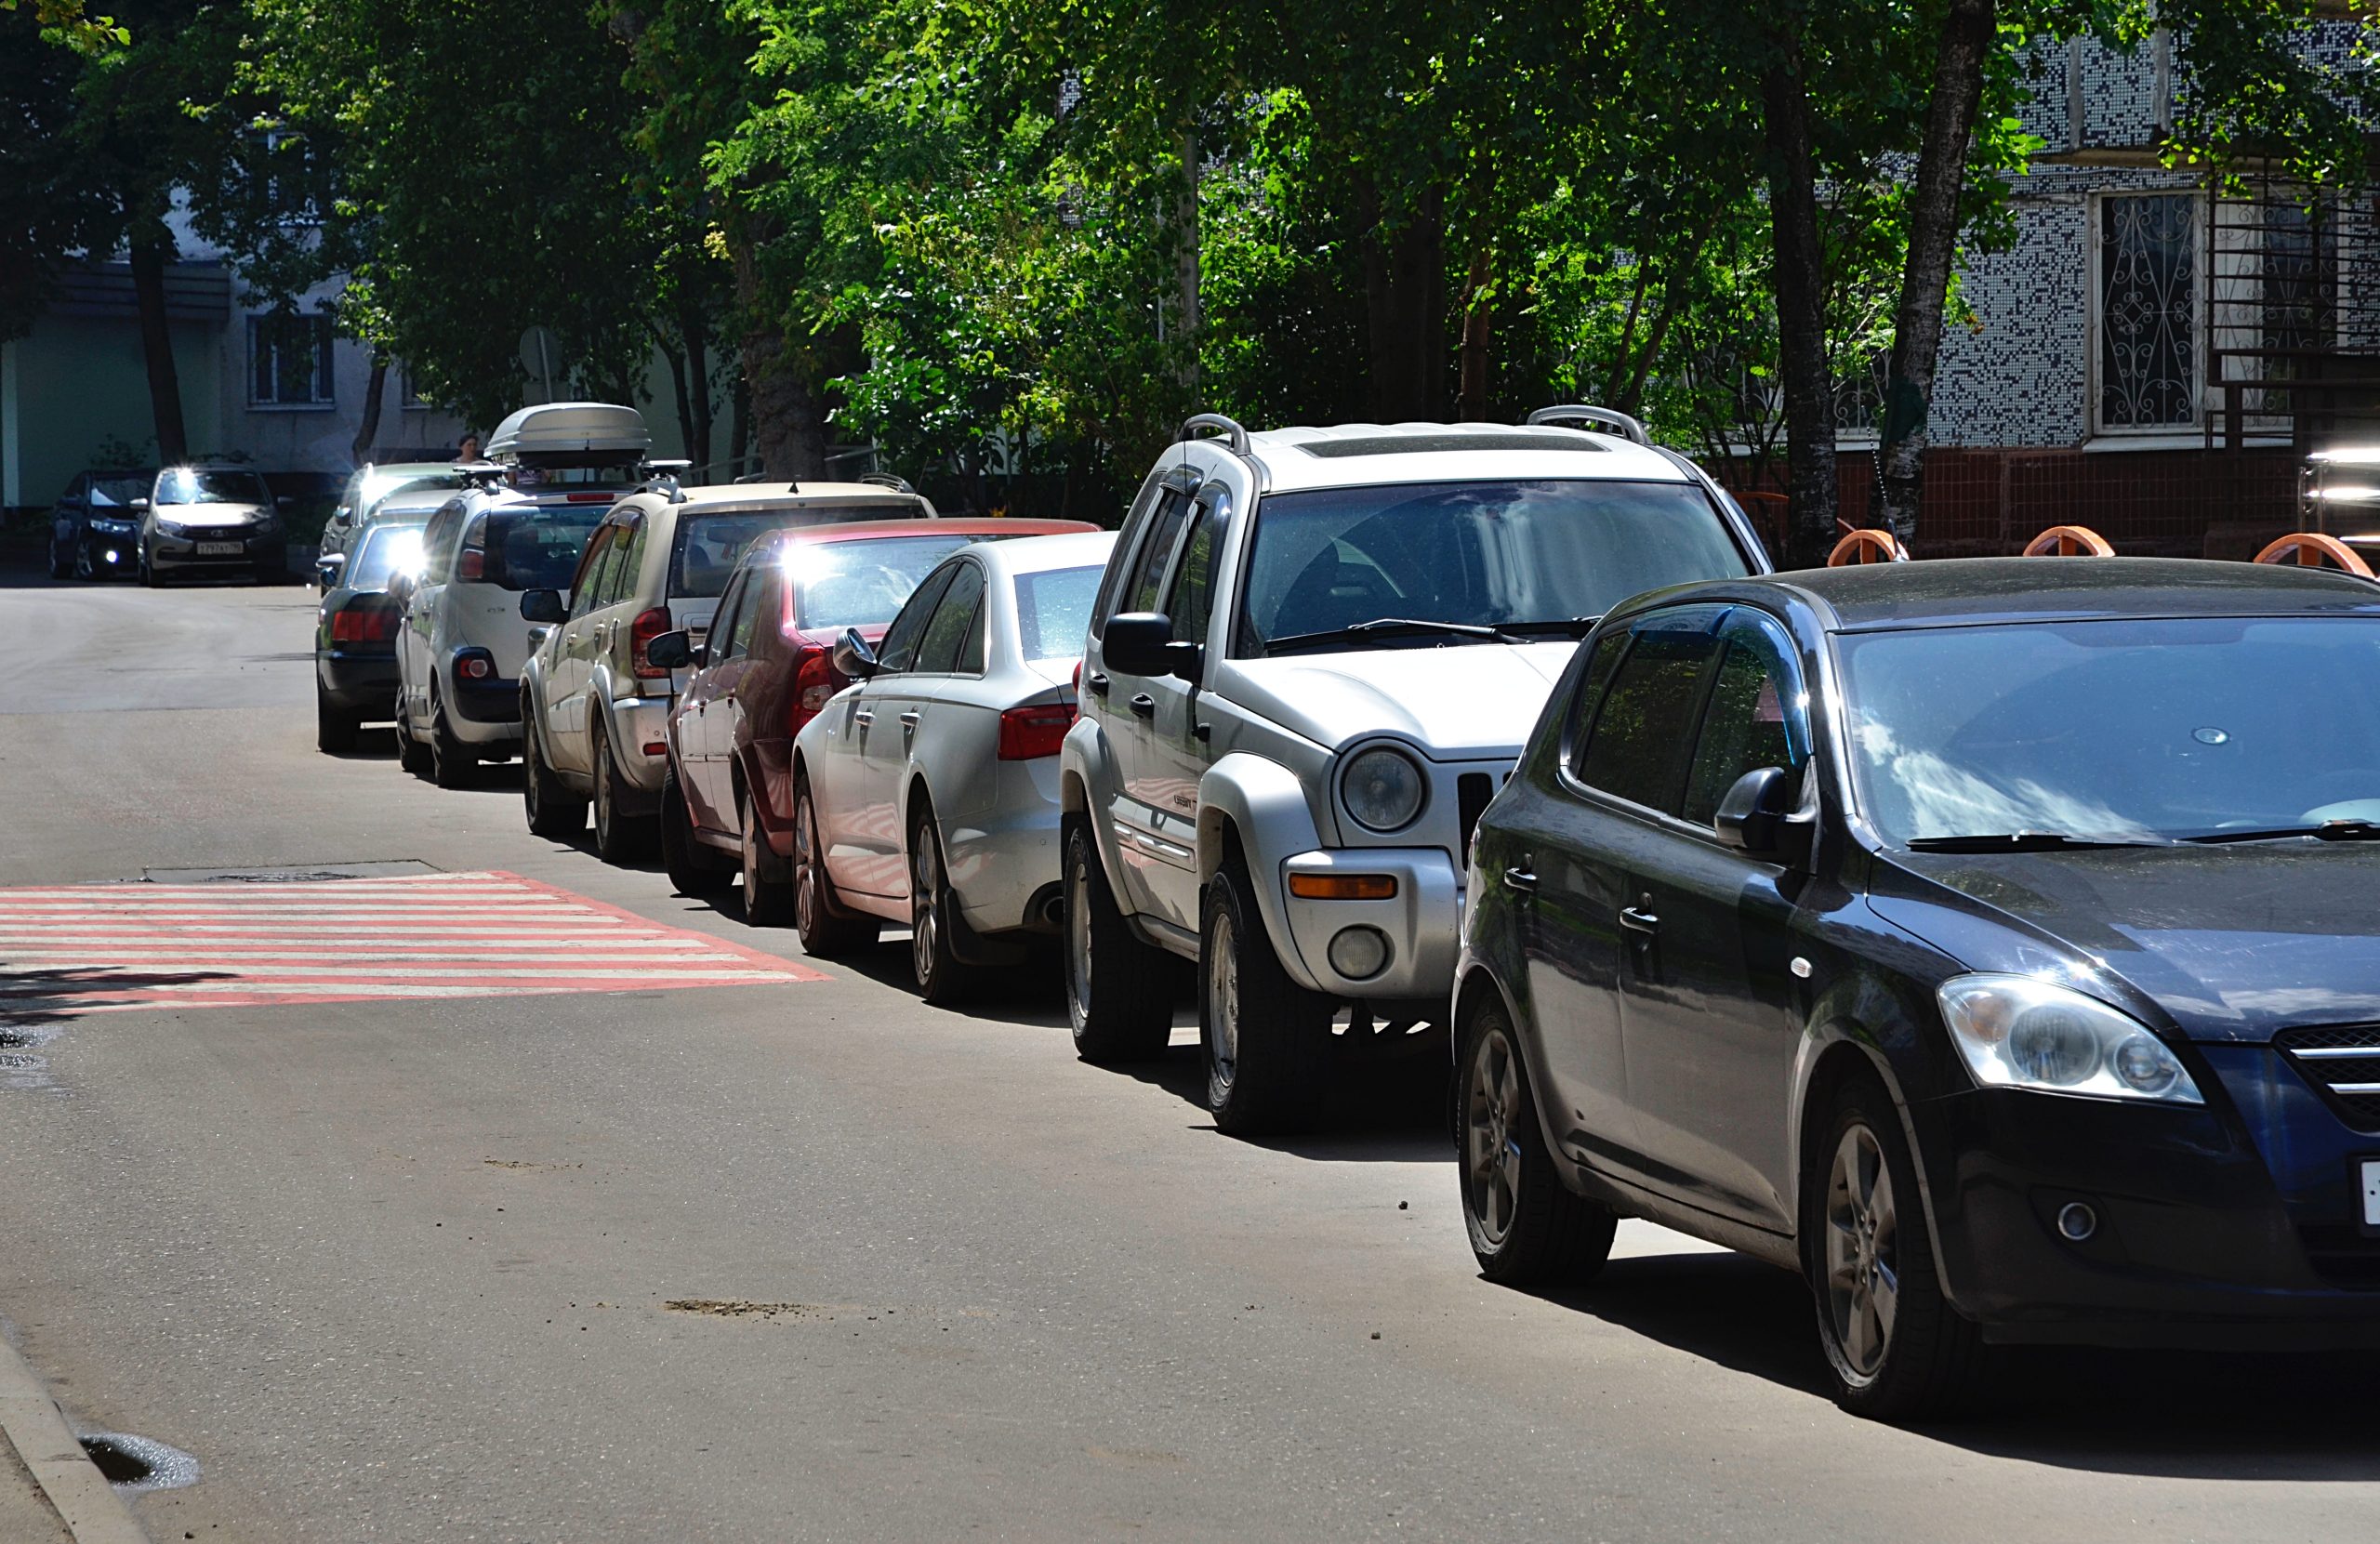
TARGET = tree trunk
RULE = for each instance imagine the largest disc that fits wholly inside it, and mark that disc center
(152, 249)
(1811, 499)
(788, 424)
(1470, 397)
(739, 430)
(695, 328)
(1404, 303)
(676, 360)
(1184, 231)
(1968, 32)
(367, 432)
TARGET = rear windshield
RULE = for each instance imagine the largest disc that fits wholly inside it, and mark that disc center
(864, 582)
(1054, 610)
(535, 548)
(200, 485)
(708, 546)
(386, 550)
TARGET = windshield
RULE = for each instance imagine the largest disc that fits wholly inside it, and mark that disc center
(1054, 610)
(388, 549)
(2118, 730)
(535, 548)
(1473, 553)
(117, 492)
(710, 545)
(864, 582)
(201, 485)
(377, 488)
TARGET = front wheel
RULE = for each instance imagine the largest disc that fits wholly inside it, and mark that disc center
(1268, 1039)
(693, 868)
(59, 568)
(1527, 1227)
(828, 931)
(1896, 1349)
(1119, 988)
(148, 570)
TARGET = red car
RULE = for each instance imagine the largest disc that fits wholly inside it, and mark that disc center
(766, 669)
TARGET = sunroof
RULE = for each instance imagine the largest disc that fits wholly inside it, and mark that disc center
(1426, 445)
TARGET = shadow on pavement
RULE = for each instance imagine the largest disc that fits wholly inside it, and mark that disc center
(37, 996)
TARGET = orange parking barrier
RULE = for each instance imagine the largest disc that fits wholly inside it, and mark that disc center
(2069, 541)
(1867, 547)
(2313, 550)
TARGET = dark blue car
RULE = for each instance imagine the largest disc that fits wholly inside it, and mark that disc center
(1995, 943)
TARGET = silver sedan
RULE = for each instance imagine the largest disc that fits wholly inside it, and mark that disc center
(927, 794)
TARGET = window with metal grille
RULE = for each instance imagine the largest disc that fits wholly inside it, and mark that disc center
(289, 360)
(2148, 312)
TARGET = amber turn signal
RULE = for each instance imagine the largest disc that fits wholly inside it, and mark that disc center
(1343, 886)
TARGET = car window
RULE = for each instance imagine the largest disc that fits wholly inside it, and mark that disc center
(1644, 725)
(588, 583)
(529, 548)
(752, 605)
(1119, 558)
(722, 636)
(901, 638)
(862, 582)
(438, 545)
(630, 568)
(953, 619)
(1580, 716)
(1054, 610)
(1191, 604)
(386, 550)
(1756, 717)
(1141, 590)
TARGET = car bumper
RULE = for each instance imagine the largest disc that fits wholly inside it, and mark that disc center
(183, 552)
(485, 712)
(635, 723)
(1004, 858)
(352, 680)
(1420, 925)
(111, 554)
(2236, 1224)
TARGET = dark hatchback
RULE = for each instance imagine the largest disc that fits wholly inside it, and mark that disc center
(355, 633)
(1992, 942)
(94, 528)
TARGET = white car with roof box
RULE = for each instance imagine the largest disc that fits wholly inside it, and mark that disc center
(1316, 655)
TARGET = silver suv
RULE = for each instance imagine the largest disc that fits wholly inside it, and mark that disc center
(1315, 657)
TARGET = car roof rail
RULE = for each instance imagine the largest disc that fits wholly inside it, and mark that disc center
(488, 472)
(753, 480)
(1234, 435)
(1609, 420)
(887, 480)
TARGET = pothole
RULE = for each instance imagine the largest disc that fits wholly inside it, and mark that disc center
(137, 1464)
(294, 874)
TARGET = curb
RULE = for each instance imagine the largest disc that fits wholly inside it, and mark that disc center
(33, 1423)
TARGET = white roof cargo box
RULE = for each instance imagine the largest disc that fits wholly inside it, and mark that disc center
(567, 428)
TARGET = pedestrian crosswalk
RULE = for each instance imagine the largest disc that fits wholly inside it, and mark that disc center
(68, 950)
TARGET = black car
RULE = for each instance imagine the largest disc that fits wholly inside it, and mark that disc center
(1992, 942)
(95, 527)
(355, 632)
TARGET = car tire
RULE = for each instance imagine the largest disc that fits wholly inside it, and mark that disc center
(942, 977)
(694, 869)
(619, 837)
(1267, 1039)
(335, 728)
(452, 763)
(768, 891)
(1527, 1227)
(1119, 988)
(412, 754)
(59, 568)
(828, 930)
(84, 568)
(148, 570)
(1896, 1349)
(553, 812)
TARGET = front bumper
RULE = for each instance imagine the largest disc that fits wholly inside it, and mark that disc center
(2234, 1225)
(118, 553)
(1421, 924)
(254, 551)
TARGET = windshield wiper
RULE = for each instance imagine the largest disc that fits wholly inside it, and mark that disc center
(1393, 626)
(2329, 830)
(1574, 626)
(2028, 841)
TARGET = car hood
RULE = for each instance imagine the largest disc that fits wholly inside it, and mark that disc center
(1476, 699)
(209, 514)
(2235, 943)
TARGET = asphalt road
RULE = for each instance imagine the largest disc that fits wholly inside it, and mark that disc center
(405, 1269)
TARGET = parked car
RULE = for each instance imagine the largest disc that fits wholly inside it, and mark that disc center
(368, 488)
(411, 506)
(95, 526)
(1316, 653)
(767, 668)
(521, 525)
(1989, 941)
(211, 519)
(927, 795)
(355, 631)
(593, 703)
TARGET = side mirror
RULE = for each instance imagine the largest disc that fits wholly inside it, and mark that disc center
(139, 504)
(854, 658)
(542, 605)
(401, 587)
(1759, 817)
(328, 570)
(1138, 643)
(670, 651)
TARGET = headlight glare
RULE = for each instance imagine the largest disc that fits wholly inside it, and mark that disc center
(2015, 1032)
(1383, 789)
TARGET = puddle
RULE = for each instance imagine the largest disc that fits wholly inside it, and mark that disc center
(21, 1063)
(134, 1465)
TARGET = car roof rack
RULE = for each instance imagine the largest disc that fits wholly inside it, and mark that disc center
(887, 480)
(1234, 436)
(753, 480)
(1607, 420)
(483, 472)
(661, 477)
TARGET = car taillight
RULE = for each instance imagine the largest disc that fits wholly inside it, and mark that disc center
(648, 626)
(363, 624)
(1029, 733)
(475, 665)
(1075, 707)
(816, 681)
(470, 563)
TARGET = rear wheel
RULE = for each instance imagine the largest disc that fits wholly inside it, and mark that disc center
(334, 727)
(553, 810)
(693, 868)
(768, 897)
(827, 931)
(1119, 989)
(620, 838)
(1268, 1039)
(1895, 1348)
(942, 977)
(452, 763)
(1527, 1227)
(412, 754)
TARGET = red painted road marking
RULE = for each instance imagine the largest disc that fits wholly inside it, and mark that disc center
(76, 949)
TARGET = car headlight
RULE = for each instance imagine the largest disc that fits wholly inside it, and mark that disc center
(1383, 789)
(2018, 1033)
(113, 527)
(267, 524)
(171, 528)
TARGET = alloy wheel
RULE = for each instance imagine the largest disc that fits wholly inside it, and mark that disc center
(1223, 1000)
(925, 910)
(1862, 1238)
(806, 916)
(604, 813)
(1079, 935)
(1491, 1152)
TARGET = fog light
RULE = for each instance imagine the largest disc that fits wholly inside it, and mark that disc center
(1358, 954)
(2076, 1221)
(110, 555)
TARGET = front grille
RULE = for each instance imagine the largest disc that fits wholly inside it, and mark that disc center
(2343, 1062)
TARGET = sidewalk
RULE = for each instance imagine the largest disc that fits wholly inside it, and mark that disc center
(26, 1516)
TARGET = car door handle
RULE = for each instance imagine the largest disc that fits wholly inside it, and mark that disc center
(1145, 705)
(1637, 920)
(863, 718)
(1097, 683)
(1521, 879)
(909, 719)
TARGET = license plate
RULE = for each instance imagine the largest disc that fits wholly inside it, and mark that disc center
(2372, 1193)
(221, 549)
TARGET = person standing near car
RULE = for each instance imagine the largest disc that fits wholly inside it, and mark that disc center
(469, 449)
